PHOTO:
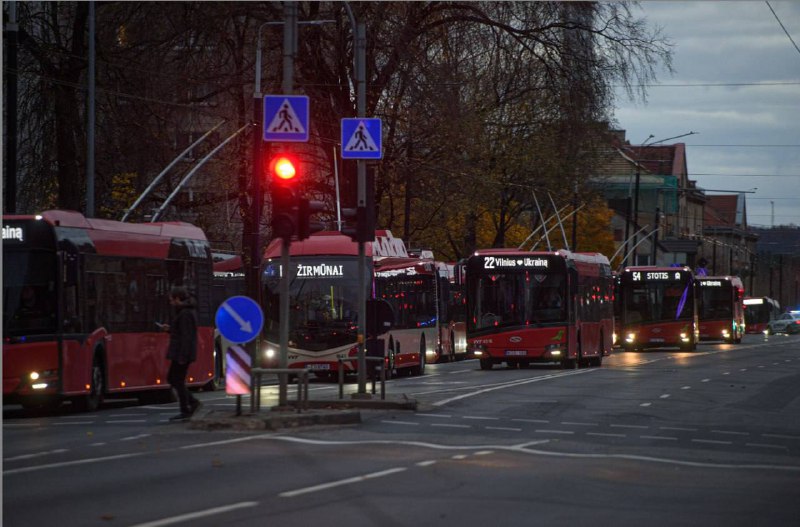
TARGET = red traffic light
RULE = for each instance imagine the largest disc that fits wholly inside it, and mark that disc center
(283, 168)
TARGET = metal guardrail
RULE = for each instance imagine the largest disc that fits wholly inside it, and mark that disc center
(302, 385)
(378, 370)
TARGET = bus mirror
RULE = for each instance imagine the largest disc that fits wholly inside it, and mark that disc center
(380, 317)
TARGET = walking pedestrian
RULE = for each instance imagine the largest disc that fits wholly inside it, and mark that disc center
(182, 349)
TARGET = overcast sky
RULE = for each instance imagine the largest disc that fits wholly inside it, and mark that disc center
(747, 113)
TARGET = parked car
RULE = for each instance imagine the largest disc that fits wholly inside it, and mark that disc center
(786, 323)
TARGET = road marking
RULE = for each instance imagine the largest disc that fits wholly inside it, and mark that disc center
(538, 421)
(712, 441)
(512, 384)
(484, 452)
(37, 454)
(445, 425)
(729, 432)
(444, 416)
(604, 434)
(132, 438)
(407, 423)
(686, 387)
(71, 463)
(573, 423)
(459, 457)
(196, 515)
(341, 482)
(639, 427)
(426, 463)
(645, 404)
(678, 428)
(479, 417)
(545, 431)
(705, 380)
(80, 423)
(504, 428)
(664, 396)
(665, 438)
(126, 421)
(763, 445)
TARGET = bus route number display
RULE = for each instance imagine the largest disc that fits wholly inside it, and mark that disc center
(647, 276)
(512, 262)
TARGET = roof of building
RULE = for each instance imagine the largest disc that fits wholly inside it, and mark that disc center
(725, 210)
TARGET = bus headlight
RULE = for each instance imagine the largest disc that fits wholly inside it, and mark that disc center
(553, 350)
(614, 337)
(476, 349)
(630, 338)
(726, 334)
(269, 353)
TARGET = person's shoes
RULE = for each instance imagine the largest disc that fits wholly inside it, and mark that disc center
(195, 406)
(180, 417)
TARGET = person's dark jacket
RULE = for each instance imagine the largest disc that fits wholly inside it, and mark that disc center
(183, 335)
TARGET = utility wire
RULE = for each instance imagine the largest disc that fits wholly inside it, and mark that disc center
(783, 27)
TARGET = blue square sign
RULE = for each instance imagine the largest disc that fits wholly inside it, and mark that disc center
(361, 138)
(286, 118)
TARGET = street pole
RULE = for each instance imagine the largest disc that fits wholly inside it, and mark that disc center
(361, 171)
(289, 47)
(11, 32)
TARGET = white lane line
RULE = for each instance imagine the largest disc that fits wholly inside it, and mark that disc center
(459, 457)
(663, 438)
(634, 427)
(705, 380)
(686, 387)
(445, 425)
(726, 373)
(742, 369)
(99, 444)
(664, 396)
(71, 463)
(406, 423)
(730, 432)
(74, 423)
(781, 436)
(513, 384)
(443, 416)
(484, 452)
(481, 418)
(426, 463)
(604, 434)
(197, 515)
(712, 441)
(341, 482)
(678, 428)
(537, 421)
(573, 423)
(504, 428)
(764, 445)
(544, 431)
(37, 454)
(126, 421)
(645, 404)
(132, 438)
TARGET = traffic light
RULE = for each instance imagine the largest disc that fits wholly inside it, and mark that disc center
(285, 199)
(358, 225)
(306, 227)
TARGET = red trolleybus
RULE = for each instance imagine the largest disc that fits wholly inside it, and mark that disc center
(323, 324)
(758, 311)
(657, 308)
(720, 308)
(81, 298)
(525, 307)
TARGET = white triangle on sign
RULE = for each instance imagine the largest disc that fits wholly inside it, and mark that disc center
(361, 140)
(286, 120)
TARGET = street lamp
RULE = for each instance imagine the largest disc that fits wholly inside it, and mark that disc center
(638, 176)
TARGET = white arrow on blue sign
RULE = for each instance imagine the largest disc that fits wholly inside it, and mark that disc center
(286, 118)
(239, 319)
(361, 138)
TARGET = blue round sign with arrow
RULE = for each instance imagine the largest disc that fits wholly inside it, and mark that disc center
(239, 319)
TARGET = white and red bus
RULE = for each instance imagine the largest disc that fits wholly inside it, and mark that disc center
(720, 308)
(453, 313)
(758, 312)
(81, 298)
(323, 324)
(657, 308)
(525, 307)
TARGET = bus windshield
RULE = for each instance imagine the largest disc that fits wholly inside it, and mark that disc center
(658, 302)
(715, 302)
(507, 299)
(323, 297)
(29, 292)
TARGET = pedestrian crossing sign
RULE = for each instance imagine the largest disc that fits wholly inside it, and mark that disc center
(286, 118)
(361, 138)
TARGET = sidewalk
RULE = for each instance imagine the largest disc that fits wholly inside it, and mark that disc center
(321, 412)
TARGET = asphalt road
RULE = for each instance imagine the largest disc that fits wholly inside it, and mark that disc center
(662, 437)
